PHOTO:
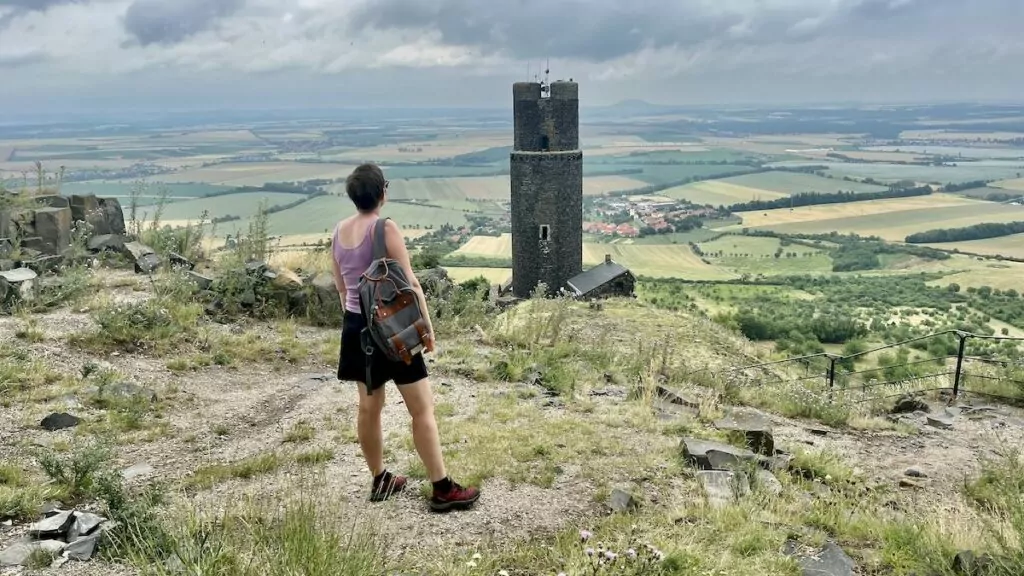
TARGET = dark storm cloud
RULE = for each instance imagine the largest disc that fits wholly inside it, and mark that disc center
(559, 28)
(171, 21)
(600, 30)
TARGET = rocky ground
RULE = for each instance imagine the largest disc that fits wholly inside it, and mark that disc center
(274, 420)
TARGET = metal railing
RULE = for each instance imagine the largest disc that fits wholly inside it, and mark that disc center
(828, 368)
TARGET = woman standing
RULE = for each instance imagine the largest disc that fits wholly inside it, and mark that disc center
(352, 247)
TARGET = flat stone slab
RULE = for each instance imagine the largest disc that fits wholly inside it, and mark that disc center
(673, 397)
(696, 451)
(19, 553)
(84, 525)
(83, 548)
(756, 427)
(723, 488)
(767, 482)
(831, 561)
(941, 421)
(56, 525)
(137, 470)
(622, 501)
(19, 275)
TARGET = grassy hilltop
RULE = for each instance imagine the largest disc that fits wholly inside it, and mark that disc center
(812, 288)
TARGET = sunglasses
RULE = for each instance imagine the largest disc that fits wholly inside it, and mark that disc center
(387, 183)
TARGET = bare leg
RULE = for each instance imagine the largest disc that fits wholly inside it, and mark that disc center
(420, 402)
(371, 437)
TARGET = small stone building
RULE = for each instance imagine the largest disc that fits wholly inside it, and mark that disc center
(609, 279)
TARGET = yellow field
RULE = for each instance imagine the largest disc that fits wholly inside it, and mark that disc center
(487, 247)
(597, 185)
(493, 275)
(891, 219)
(660, 260)
(616, 148)
(864, 155)
(257, 173)
(1001, 275)
(1011, 246)
(1016, 184)
(849, 210)
(717, 192)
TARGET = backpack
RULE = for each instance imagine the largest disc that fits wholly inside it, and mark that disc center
(395, 324)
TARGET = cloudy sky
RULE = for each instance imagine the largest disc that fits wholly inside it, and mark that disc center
(67, 55)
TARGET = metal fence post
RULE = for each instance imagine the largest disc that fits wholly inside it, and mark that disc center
(959, 364)
(831, 374)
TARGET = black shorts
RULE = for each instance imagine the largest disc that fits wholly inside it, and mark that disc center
(352, 360)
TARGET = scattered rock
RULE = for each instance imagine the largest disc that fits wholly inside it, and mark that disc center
(107, 243)
(696, 452)
(201, 282)
(622, 501)
(127, 391)
(908, 404)
(83, 548)
(675, 398)
(53, 227)
(137, 470)
(908, 483)
(968, 563)
(754, 426)
(85, 523)
(915, 473)
(818, 431)
(941, 421)
(831, 561)
(59, 421)
(18, 284)
(54, 526)
(722, 487)
(19, 553)
(148, 264)
(767, 482)
(180, 262)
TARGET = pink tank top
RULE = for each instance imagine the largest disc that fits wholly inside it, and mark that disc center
(352, 262)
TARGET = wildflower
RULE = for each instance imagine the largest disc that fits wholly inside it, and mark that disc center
(471, 564)
(502, 572)
(585, 535)
(589, 551)
(611, 555)
(477, 556)
(631, 553)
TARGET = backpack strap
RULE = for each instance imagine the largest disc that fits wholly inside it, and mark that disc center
(380, 247)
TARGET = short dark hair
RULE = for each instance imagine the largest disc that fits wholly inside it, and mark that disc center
(365, 187)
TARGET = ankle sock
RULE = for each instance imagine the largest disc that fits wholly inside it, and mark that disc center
(443, 486)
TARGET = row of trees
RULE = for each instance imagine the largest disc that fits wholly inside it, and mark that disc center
(840, 197)
(974, 232)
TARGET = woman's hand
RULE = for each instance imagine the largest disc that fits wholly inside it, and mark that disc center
(429, 341)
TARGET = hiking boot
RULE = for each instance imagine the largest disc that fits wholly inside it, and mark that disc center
(456, 497)
(386, 485)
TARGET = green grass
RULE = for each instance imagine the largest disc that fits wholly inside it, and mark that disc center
(122, 190)
(756, 255)
(244, 205)
(797, 182)
(964, 172)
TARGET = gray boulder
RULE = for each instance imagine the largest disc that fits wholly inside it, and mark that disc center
(754, 426)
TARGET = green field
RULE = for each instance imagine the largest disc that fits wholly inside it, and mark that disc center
(322, 213)
(147, 195)
(1009, 246)
(963, 172)
(243, 205)
(988, 192)
(905, 217)
(756, 255)
(762, 186)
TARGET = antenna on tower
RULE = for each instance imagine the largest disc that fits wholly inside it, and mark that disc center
(545, 88)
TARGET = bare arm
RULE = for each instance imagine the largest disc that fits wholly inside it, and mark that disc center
(397, 250)
(339, 281)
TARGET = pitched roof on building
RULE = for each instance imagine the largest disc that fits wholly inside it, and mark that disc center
(596, 277)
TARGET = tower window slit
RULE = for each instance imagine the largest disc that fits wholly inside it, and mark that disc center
(544, 232)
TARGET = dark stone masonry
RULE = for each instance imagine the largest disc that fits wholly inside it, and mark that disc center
(547, 187)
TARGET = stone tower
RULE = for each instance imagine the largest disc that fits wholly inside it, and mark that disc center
(547, 186)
